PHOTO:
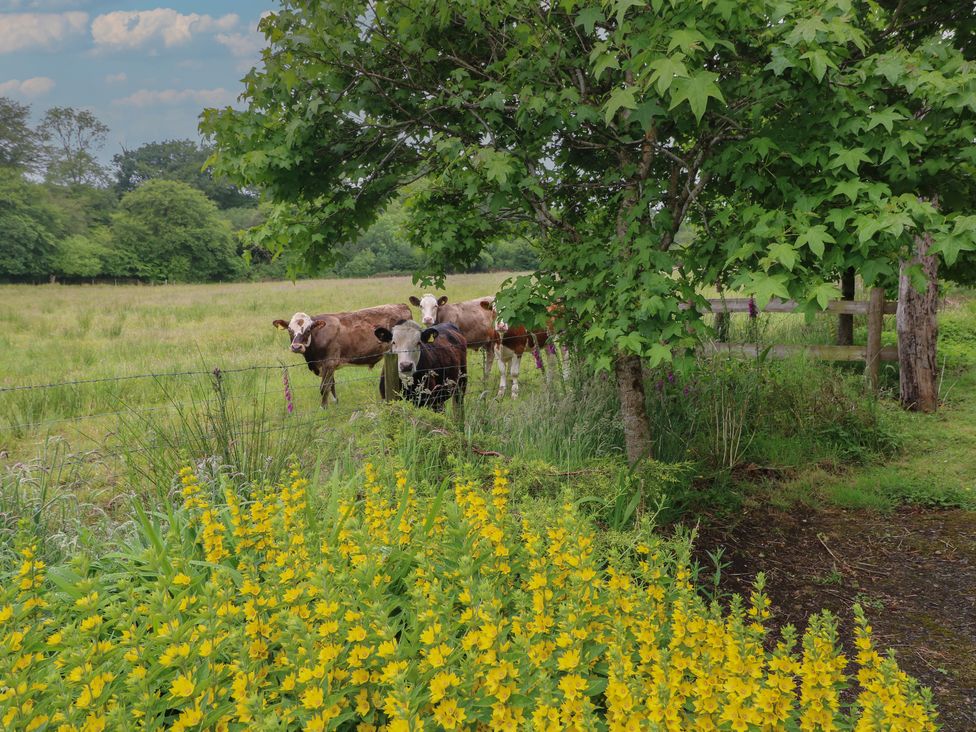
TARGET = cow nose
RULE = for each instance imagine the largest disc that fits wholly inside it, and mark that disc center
(428, 321)
(297, 347)
(406, 367)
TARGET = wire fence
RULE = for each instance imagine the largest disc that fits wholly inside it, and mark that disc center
(205, 399)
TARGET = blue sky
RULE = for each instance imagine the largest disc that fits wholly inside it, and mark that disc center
(145, 69)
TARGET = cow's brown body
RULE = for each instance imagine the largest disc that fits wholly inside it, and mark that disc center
(346, 339)
(474, 318)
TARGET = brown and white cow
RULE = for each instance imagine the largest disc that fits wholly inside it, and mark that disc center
(332, 340)
(512, 341)
(432, 362)
(474, 318)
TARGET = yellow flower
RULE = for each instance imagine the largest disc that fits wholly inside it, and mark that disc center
(313, 698)
(449, 715)
(182, 686)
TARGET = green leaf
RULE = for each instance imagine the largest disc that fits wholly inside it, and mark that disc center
(696, 90)
(686, 39)
(658, 354)
(815, 237)
(783, 253)
(851, 159)
(665, 70)
(765, 287)
(645, 111)
(824, 293)
(620, 98)
(819, 61)
(849, 188)
(589, 17)
(779, 62)
(886, 118)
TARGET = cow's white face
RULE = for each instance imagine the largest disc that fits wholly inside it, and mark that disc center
(428, 305)
(300, 330)
(405, 340)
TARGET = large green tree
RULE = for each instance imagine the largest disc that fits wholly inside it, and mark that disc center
(608, 125)
(167, 231)
(182, 160)
(71, 140)
(29, 229)
(18, 142)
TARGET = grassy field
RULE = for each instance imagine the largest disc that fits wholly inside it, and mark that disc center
(51, 334)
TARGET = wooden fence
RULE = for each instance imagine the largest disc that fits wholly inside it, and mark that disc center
(872, 353)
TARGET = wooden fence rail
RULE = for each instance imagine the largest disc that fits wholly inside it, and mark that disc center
(872, 353)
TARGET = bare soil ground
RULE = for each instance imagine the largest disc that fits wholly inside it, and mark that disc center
(913, 571)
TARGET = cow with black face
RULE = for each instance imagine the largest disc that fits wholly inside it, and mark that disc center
(432, 362)
(332, 340)
(474, 318)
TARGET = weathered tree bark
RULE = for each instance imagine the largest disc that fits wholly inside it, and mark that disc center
(918, 331)
(633, 409)
(845, 323)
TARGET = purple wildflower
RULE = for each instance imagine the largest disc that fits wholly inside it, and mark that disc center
(538, 358)
(670, 377)
(753, 310)
(289, 405)
(551, 348)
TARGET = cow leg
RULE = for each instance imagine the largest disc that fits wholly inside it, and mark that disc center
(504, 358)
(516, 361)
(327, 386)
(489, 355)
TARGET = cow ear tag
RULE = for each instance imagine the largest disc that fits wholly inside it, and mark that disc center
(429, 335)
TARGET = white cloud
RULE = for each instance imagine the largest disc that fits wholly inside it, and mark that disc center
(169, 97)
(242, 45)
(32, 87)
(29, 30)
(128, 29)
(116, 78)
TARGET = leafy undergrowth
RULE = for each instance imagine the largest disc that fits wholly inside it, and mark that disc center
(937, 464)
(279, 607)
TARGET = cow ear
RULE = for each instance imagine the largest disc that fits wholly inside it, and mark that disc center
(487, 305)
(280, 324)
(442, 300)
(316, 324)
(415, 301)
(383, 334)
(429, 335)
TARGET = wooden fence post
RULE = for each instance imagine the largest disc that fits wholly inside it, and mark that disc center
(845, 322)
(391, 377)
(872, 354)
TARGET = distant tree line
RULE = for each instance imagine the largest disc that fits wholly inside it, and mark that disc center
(156, 214)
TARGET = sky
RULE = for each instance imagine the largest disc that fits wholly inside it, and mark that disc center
(146, 69)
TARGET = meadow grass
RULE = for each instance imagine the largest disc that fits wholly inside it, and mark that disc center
(65, 333)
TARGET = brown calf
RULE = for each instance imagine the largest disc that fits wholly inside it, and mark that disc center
(332, 340)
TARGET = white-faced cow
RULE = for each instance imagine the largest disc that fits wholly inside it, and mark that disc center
(474, 318)
(432, 362)
(512, 341)
(331, 340)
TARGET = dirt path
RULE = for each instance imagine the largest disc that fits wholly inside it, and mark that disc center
(913, 571)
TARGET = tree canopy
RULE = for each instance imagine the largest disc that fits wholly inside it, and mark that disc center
(18, 142)
(182, 160)
(167, 231)
(798, 135)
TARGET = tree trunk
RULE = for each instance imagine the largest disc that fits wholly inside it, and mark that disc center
(845, 323)
(633, 409)
(917, 331)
